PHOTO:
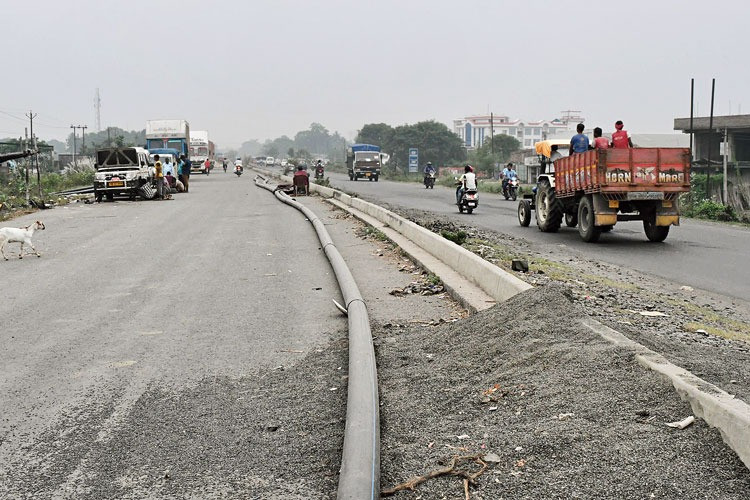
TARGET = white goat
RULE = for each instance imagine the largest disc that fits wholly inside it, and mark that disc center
(19, 235)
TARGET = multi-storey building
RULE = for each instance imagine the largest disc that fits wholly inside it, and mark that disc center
(475, 130)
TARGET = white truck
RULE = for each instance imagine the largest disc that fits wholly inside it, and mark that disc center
(168, 134)
(201, 149)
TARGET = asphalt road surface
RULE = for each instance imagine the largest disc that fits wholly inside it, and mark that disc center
(143, 297)
(704, 255)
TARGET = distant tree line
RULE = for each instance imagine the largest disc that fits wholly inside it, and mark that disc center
(115, 137)
(315, 141)
(435, 142)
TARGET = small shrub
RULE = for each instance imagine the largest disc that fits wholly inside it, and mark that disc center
(458, 237)
(708, 209)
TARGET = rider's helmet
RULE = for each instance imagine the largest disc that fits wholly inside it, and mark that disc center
(429, 163)
(468, 168)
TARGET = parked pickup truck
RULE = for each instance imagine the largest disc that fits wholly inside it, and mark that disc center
(122, 171)
(596, 189)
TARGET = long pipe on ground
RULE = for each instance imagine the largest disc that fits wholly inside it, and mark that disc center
(360, 462)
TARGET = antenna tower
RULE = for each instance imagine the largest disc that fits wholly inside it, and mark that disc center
(98, 108)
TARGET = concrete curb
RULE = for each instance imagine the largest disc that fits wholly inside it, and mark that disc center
(718, 408)
(498, 284)
(466, 293)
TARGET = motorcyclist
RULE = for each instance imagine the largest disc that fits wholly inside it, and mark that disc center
(429, 169)
(224, 165)
(466, 182)
(319, 169)
(508, 173)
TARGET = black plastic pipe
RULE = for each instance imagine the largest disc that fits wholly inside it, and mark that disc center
(359, 477)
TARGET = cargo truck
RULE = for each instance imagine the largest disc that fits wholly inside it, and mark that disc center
(599, 188)
(201, 149)
(364, 161)
(173, 134)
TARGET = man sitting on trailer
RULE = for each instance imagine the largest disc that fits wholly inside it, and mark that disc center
(599, 141)
(579, 143)
(620, 137)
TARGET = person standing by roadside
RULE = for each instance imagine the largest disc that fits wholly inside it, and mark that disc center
(159, 178)
(168, 167)
(620, 137)
(186, 166)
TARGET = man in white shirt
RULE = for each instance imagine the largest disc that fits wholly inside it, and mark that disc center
(468, 181)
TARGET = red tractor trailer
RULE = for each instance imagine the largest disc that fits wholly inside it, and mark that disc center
(599, 188)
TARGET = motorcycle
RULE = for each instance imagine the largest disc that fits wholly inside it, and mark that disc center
(319, 172)
(238, 170)
(510, 189)
(429, 180)
(469, 201)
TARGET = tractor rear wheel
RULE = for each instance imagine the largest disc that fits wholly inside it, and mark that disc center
(549, 210)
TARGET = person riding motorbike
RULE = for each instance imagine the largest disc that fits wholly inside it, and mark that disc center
(319, 170)
(429, 175)
(224, 165)
(508, 173)
(468, 181)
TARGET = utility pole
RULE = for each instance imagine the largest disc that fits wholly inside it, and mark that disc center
(726, 155)
(25, 142)
(83, 136)
(35, 157)
(492, 134)
(74, 146)
(109, 139)
(710, 136)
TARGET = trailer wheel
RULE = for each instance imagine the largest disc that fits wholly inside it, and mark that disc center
(524, 213)
(653, 232)
(586, 228)
(571, 219)
(549, 210)
(98, 196)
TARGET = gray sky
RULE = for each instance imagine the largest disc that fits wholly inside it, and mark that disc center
(260, 69)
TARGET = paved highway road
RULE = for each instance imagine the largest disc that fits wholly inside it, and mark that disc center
(703, 255)
(135, 303)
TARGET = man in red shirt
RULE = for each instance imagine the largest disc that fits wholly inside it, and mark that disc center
(599, 141)
(620, 137)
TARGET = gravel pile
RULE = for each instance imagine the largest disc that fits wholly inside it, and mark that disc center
(685, 321)
(566, 414)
